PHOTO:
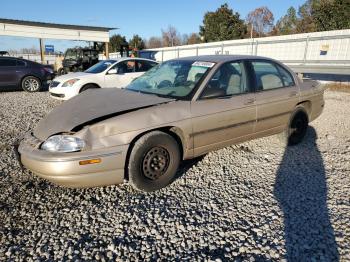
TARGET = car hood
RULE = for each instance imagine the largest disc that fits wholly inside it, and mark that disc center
(92, 106)
(69, 76)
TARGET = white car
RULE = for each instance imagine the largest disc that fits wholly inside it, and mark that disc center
(107, 73)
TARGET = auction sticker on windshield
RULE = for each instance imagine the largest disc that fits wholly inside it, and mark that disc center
(203, 64)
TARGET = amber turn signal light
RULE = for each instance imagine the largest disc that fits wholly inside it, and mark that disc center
(90, 161)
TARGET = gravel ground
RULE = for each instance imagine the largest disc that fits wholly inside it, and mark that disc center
(253, 202)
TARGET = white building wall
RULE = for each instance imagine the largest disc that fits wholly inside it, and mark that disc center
(297, 48)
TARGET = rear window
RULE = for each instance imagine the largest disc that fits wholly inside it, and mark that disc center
(143, 66)
(7, 62)
(271, 76)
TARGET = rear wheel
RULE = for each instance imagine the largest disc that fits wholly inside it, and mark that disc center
(297, 128)
(153, 161)
(31, 84)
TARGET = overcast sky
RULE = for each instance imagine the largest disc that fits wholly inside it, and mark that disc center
(142, 17)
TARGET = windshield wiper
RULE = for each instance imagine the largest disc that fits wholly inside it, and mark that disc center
(155, 94)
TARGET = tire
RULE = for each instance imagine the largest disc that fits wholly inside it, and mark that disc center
(297, 127)
(31, 84)
(88, 86)
(153, 161)
(61, 71)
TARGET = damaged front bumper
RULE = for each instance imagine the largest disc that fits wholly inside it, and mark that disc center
(70, 169)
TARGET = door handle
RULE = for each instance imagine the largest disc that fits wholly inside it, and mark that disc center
(249, 101)
(294, 93)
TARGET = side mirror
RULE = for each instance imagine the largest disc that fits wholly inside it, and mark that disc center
(113, 71)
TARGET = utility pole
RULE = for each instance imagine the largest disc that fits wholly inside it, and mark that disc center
(42, 50)
(251, 30)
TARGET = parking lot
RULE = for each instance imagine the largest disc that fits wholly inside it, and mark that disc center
(254, 201)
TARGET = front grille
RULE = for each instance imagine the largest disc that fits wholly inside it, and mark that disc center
(57, 95)
(54, 84)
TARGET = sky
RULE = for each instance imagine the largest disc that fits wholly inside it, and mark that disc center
(143, 17)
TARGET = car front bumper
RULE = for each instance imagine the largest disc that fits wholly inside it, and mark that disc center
(63, 93)
(66, 169)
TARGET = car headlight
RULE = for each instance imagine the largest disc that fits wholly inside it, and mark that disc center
(63, 144)
(70, 82)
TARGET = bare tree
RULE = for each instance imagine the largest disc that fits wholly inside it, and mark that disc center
(154, 42)
(32, 50)
(184, 39)
(261, 20)
(171, 36)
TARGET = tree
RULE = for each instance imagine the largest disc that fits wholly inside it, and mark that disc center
(171, 36)
(331, 14)
(261, 19)
(32, 50)
(223, 24)
(184, 39)
(193, 39)
(305, 22)
(115, 42)
(288, 23)
(154, 42)
(137, 42)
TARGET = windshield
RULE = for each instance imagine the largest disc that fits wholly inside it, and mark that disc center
(99, 67)
(176, 78)
(70, 54)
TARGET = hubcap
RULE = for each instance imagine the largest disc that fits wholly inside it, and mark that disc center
(31, 84)
(155, 163)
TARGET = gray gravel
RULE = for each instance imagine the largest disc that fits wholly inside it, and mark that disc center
(253, 202)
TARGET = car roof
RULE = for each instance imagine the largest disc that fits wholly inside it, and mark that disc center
(136, 58)
(221, 58)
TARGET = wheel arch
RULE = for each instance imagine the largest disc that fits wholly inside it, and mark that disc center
(306, 104)
(173, 131)
(94, 84)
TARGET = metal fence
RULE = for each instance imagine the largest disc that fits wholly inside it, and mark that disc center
(319, 52)
(49, 59)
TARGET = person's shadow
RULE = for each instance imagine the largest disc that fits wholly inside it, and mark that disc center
(301, 191)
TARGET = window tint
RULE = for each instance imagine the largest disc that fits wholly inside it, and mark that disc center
(230, 79)
(21, 63)
(267, 76)
(143, 66)
(126, 67)
(286, 76)
(7, 62)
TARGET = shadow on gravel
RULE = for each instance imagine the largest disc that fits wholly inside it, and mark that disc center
(187, 165)
(44, 88)
(301, 191)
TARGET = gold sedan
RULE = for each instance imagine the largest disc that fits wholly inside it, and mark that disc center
(180, 109)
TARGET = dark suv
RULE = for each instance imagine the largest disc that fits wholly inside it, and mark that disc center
(17, 72)
(79, 59)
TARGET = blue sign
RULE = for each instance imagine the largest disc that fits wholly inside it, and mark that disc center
(49, 49)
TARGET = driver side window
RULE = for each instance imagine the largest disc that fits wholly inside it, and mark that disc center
(230, 79)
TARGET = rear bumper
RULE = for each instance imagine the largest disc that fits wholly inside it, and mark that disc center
(65, 168)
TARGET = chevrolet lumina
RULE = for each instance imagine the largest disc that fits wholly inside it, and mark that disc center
(178, 110)
(107, 73)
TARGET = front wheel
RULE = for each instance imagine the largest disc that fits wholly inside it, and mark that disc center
(153, 161)
(296, 129)
(86, 87)
(31, 84)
